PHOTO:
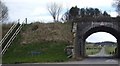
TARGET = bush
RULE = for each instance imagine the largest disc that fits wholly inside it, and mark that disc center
(35, 27)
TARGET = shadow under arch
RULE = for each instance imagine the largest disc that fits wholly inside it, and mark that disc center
(110, 30)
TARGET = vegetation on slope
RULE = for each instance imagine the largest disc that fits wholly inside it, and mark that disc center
(43, 42)
(5, 28)
(46, 32)
(40, 42)
(110, 50)
(38, 52)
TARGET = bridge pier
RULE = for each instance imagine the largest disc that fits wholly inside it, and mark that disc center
(79, 47)
(118, 49)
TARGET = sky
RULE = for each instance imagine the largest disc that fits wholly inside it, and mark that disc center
(100, 37)
(36, 10)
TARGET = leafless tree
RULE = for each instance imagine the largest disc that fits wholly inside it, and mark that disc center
(55, 10)
(117, 5)
(3, 12)
(65, 16)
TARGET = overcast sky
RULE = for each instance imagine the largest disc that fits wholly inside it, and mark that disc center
(100, 37)
(36, 10)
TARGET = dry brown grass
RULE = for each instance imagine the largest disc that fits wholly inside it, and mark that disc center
(37, 32)
(5, 28)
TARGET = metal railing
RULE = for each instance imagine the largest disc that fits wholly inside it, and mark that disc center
(7, 34)
(12, 38)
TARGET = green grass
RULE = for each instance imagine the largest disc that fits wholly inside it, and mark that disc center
(92, 49)
(49, 39)
(110, 49)
(50, 51)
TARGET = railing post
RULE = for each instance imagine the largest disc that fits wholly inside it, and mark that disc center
(26, 20)
(18, 20)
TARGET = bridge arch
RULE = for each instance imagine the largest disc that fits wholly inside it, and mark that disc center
(92, 30)
(82, 34)
(110, 30)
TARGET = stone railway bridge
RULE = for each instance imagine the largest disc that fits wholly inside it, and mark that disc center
(81, 30)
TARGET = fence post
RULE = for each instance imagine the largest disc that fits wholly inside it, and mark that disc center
(18, 20)
(26, 20)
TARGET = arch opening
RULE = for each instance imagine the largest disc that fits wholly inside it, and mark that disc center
(108, 30)
(100, 44)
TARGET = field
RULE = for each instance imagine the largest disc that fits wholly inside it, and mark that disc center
(91, 49)
(110, 50)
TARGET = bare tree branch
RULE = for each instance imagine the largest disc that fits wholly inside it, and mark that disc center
(65, 16)
(58, 12)
(54, 9)
(3, 12)
(117, 5)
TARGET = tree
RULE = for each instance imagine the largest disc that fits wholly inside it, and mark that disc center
(82, 12)
(85, 14)
(54, 9)
(65, 16)
(106, 14)
(117, 5)
(97, 12)
(3, 12)
(73, 12)
(90, 12)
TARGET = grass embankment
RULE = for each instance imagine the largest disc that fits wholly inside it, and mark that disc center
(36, 52)
(37, 32)
(39, 43)
(110, 50)
(5, 28)
(91, 49)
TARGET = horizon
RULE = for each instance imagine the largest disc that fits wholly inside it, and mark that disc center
(101, 42)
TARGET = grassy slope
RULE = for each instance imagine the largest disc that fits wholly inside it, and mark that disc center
(47, 32)
(110, 49)
(49, 52)
(48, 39)
(5, 28)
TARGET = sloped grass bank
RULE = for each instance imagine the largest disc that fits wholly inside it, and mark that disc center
(36, 32)
(40, 43)
(38, 52)
(5, 28)
(110, 50)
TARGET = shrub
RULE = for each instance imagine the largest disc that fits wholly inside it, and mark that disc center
(35, 27)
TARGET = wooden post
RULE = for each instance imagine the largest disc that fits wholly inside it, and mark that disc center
(26, 20)
(18, 20)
